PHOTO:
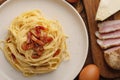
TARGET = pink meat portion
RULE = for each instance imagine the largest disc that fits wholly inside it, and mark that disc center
(108, 43)
(115, 34)
(109, 26)
(112, 49)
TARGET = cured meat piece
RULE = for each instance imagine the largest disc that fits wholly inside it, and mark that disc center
(115, 34)
(109, 26)
(112, 49)
(108, 43)
(112, 57)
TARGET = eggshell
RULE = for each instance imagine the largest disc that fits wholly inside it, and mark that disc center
(90, 72)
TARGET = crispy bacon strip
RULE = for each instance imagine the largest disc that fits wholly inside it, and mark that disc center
(35, 56)
(8, 39)
(48, 39)
(34, 33)
(40, 28)
(56, 53)
(28, 46)
(28, 37)
(36, 42)
(24, 46)
(41, 43)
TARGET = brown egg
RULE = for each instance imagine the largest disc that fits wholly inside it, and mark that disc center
(90, 72)
(72, 1)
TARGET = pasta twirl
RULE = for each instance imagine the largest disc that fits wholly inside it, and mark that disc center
(35, 44)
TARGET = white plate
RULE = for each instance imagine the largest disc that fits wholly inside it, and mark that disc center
(73, 26)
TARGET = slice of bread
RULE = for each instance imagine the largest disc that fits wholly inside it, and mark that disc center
(112, 58)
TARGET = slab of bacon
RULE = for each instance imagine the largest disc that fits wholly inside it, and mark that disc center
(109, 40)
(108, 43)
(110, 35)
(109, 26)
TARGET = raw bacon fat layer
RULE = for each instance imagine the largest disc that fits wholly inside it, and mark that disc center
(109, 26)
(108, 43)
(112, 49)
(110, 35)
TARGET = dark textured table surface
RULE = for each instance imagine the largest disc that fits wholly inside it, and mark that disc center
(80, 8)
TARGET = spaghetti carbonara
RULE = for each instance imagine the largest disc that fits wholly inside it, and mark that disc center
(35, 44)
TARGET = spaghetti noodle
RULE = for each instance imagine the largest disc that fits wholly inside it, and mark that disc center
(35, 44)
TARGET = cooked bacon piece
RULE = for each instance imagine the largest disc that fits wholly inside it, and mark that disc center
(108, 43)
(33, 32)
(115, 34)
(40, 28)
(39, 48)
(41, 43)
(27, 46)
(35, 56)
(8, 39)
(36, 41)
(48, 39)
(29, 37)
(13, 56)
(56, 53)
(37, 31)
(39, 53)
(109, 26)
(24, 46)
(30, 46)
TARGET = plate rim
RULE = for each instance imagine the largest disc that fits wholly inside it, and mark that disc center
(86, 33)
